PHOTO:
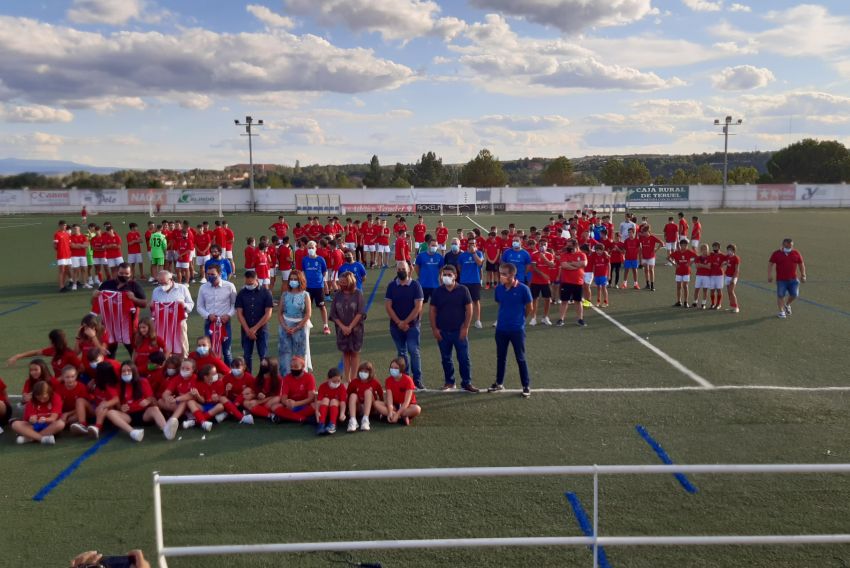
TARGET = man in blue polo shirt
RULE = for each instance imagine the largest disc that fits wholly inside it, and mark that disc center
(403, 302)
(428, 266)
(451, 314)
(222, 263)
(515, 305)
(519, 257)
(314, 268)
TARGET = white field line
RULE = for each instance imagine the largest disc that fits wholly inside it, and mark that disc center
(476, 223)
(610, 390)
(673, 362)
(21, 225)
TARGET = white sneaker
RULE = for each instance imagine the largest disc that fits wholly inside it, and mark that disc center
(364, 424)
(137, 435)
(494, 324)
(532, 322)
(787, 309)
(247, 419)
(478, 324)
(74, 286)
(170, 429)
(94, 432)
(546, 321)
(352, 424)
(220, 417)
(87, 286)
(206, 425)
(48, 440)
(188, 424)
(1, 430)
(20, 440)
(781, 315)
(78, 428)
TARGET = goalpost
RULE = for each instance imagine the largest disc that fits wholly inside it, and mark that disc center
(318, 204)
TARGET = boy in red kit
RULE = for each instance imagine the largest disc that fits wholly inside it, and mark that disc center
(419, 231)
(350, 231)
(696, 232)
(364, 395)
(733, 268)
(184, 248)
(203, 242)
(281, 228)
(134, 251)
(79, 261)
(601, 265)
(682, 258)
(62, 246)
(442, 235)
(284, 262)
(492, 254)
(297, 394)
(227, 251)
(136, 406)
(542, 267)
(572, 263)
(671, 236)
(649, 245)
(330, 403)
(383, 244)
(370, 238)
(261, 266)
(250, 249)
(683, 225)
(631, 248)
(402, 248)
(400, 395)
(703, 281)
(42, 417)
(716, 260)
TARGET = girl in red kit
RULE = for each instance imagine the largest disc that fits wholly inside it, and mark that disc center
(145, 342)
(297, 394)
(364, 395)
(200, 404)
(400, 395)
(330, 403)
(136, 406)
(38, 371)
(74, 395)
(42, 416)
(103, 396)
(733, 268)
(59, 352)
(166, 370)
(265, 396)
(178, 392)
(91, 334)
(202, 356)
(228, 393)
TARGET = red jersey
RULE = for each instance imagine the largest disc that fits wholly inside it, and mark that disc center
(79, 245)
(299, 257)
(384, 237)
(84, 343)
(142, 353)
(492, 249)
(369, 234)
(572, 276)
(43, 410)
(419, 230)
(203, 241)
(696, 232)
(442, 235)
(298, 388)
(112, 244)
(179, 386)
(219, 237)
(298, 232)
(786, 264)
(615, 251)
(399, 387)
(464, 244)
(632, 248)
(158, 380)
(134, 242)
(683, 260)
(335, 259)
(234, 387)
(330, 230)
(106, 394)
(351, 233)
(4, 396)
(732, 265)
(671, 233)
(399, 227)
(228, 238)
(402, 249)
(375, 233)
(326, 391)
(148, 234)
(133, 402)
(541, 260)
(600, 264)
(716, 260)
(201, 362)
(361, 387)
(703, 270)
(683, 227)
(67, 357)
(70, 396)
(314, 231)
(648, 245)
(184, 249)
(62, 243)
(171, 238)
(261, 264)
(284, 257)
(97, 247)
(281, 229)
(249, 257)
(479, 243)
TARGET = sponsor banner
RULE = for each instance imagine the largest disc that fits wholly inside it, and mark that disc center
(464, 207)
(818, 194)
(377, 208)
(50, 197)
(97, 197)
(562, 206)
(655, 193)
(14, 197)
(144, 196)
(776, 192)
(197, 197)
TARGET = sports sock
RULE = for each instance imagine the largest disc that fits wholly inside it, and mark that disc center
(261, 411)
(323, 413)
(334, 414)
(233, 410)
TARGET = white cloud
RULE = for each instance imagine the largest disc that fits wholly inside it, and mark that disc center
(90, 69)
(818, 106)
(739, 8)
(34, 113)
(112, 12)
(704, 5)
(393, 19)
(271, 19)
(107, 104)
(649, 50)
(572, 15)
(743, 77)
(32, 145)
(194, 101)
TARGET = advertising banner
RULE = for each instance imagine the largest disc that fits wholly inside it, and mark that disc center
(50, 197)
(9, 198)
(98, 197)
(377, 208)
(656, 193)
(142, 196)
(776, 192)
(197, 197)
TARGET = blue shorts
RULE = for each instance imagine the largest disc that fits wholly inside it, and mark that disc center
(787, 288)
(207, 406)
(600, 280)
(299, 408)
(627, 264)
(39, 426)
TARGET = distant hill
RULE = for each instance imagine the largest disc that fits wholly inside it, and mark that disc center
(13, 166)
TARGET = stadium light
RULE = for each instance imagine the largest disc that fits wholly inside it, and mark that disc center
(726, 123)
(249, 122)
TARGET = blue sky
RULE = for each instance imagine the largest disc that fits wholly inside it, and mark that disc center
(144, 83)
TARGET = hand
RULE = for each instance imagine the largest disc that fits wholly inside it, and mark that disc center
(224, 319)
(11, 361)
(437, 335)
(194, 392)
(403, 326)
(261, 396)
(342, 416)
(251, 334)
(89, 332)
(33, 419)
(463, 333)
(770, 278)
(130, 296)
(228, 387)
(290, 330)
(289, 403)
(803, 278)
(215, 398)
(125, 408)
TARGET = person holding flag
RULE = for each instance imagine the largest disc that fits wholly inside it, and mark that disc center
(217, 304)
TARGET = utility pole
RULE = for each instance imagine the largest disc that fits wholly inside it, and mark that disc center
(726, 124)
(249, 122)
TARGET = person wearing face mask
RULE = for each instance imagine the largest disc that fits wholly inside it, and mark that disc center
(136, 406)
(788, 261)
(733, 269)
(171, 304)
(218, 260)
(203, 356)
(428, 265)
(348, 311)
(451, 315)
(294, 323)
(470, 263)
(403, 302)
(297, 394)
(254, 307)
(519, 257)
(181, 388)
(314, 268)
(123, 282)
(515, 305)
(452, 256)
(330, 403)
(356, 268)
(217, 304)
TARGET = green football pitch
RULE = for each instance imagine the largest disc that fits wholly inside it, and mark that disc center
(592, 388)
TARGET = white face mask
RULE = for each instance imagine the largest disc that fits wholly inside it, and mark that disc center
(251, 286)
(236, 372)
(516, 244)
(186, 374)
(433, 249)
(171, 372)
(363, 375)
(448, 280)
(786, 250)
(214, 379)
(395, 373)
(127, 378)
(311, 252)
(202, 351)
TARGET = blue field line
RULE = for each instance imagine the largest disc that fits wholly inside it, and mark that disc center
(20, 306)
(799, 299)
(586, 527)
(66, 473)
(662, 455)
(368, 303)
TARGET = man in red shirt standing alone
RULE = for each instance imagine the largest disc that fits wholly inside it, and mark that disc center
(787, 260)
(62, 246)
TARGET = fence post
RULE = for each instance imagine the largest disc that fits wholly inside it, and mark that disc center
(595, 516)
(157, 520)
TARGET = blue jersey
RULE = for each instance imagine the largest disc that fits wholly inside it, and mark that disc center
(314, 271)
(470, 271)
(429, 269)
(357, 269)
(223, 265)
(519, 258)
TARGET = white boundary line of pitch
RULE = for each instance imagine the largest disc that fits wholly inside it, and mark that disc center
(700, 380)
(638, 390)
(21, 225)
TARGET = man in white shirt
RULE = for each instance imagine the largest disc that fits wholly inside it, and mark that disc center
(625, 226)
(170, 291)
(217, 303)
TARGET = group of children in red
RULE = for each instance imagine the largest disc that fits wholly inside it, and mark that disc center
(167, 390)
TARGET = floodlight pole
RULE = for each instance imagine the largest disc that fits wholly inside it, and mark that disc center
(726, 124)
(249, 122)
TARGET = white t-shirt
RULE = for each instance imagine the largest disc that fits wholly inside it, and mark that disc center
(624, 229)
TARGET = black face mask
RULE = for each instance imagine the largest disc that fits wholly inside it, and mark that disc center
(402, 275)
(122, 279)
(570, 250)
(295, 372)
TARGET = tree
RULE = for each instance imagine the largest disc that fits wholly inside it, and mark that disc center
(399, 177)
(483, 171)
(810, 161)
(429, 172)
(743, 174)
(707, 175)
(373, 178)
(630, 172)
(558, 172)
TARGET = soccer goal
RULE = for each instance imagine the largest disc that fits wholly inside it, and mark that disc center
(318, 204)
(605, 202)
(592, 539)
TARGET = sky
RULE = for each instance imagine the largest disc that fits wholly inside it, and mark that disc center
(158, 83)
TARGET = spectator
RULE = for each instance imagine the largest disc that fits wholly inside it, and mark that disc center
(254, 305)
(169, 292)
(217, 304)
(403, 302)
(294, 319)
(451, 315)
(348, 311)
(515, 304)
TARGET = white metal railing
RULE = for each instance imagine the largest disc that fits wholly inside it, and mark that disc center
(595, 541)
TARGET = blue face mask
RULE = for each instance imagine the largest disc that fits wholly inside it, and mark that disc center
(516, 244)
(202, 351)
(455, 248)
(212, 279)
(395, 373)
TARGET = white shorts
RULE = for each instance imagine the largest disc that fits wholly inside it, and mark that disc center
(717, 282)
(683, 278)
(588, 278)
(703, 282)
(695, 243)
(416, 245)
(192, 255)
(272, 272)
(201, 260)
(150, 256)
(63, 262)
(114, 262)
(98, 261)
(670, 246)
(228, 254)
(264, 281)
(384, 248)
(171, 255)
(649, 261)
(730, 280)
(79, 262)
(135, 258)
(351, 246)
(441, 247)
(368, 248)
(284, 274)
(183, 265)
(330, 276)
